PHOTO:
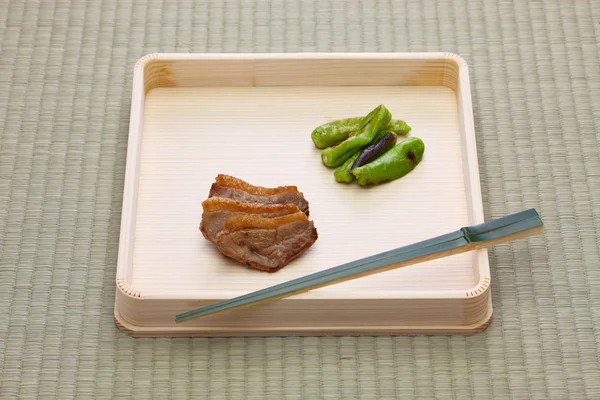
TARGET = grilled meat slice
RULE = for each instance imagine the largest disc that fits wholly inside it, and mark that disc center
(266, 244)
(233, 188)
(216, 210)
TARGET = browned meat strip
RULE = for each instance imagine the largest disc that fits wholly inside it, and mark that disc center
(267, 244)
(233, 188)
(216, 210)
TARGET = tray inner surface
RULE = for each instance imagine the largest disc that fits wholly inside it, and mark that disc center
(262, 135)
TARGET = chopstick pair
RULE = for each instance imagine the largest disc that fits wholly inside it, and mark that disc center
(504, 229)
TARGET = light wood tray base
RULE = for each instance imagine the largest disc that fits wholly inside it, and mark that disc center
(337, 330)
(194, 116)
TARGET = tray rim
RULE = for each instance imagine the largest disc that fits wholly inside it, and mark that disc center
(337, 330)
(465, 111)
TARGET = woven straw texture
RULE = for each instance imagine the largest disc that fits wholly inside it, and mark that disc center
(65, 84)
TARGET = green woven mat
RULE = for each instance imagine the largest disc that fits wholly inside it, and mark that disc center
(65, 81)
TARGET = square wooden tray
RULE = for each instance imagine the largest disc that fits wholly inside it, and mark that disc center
(194, 116)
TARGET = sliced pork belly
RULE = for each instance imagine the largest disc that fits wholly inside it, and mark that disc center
(233, 188)
(267, 244)
(216, 210)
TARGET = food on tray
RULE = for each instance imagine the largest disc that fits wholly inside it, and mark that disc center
(368, 149)
(236, 189)
(393, 164)
(267, 244)
(370, 126)
(382, 143)
(334, 132)
(398, 127)
(263, 228)
(343, 174)
(375, 150)
(216, 210)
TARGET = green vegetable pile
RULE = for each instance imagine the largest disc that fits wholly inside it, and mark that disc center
(365, 148)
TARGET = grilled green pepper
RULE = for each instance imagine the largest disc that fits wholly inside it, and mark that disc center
(393, 164)
(374, 150)
(337, 131)
(342, 174)
(370, 126)
(398, 127)
(334, 132)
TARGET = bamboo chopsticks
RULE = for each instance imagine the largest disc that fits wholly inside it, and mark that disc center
(508, 228)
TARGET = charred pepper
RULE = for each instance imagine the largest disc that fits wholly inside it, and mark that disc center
(379, 146)
(343, 174)
(337, 131)
(370, 126)
(393, 164)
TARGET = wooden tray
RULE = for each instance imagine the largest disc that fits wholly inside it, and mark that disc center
(194, 116)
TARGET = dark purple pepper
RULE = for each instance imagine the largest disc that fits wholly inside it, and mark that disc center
(375, 150)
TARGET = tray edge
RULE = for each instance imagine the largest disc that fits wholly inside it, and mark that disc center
(158, 331)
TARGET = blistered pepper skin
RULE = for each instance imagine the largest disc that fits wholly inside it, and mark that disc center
(393, 164)
(398, 127)
(370, 126)
(374, 150)
(343, 174)
(335, 132)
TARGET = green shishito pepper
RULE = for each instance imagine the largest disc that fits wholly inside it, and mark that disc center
(342, 174)
(398, 127)
(393, 164)
(337, 131)
(370, 126)
(334, 132)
